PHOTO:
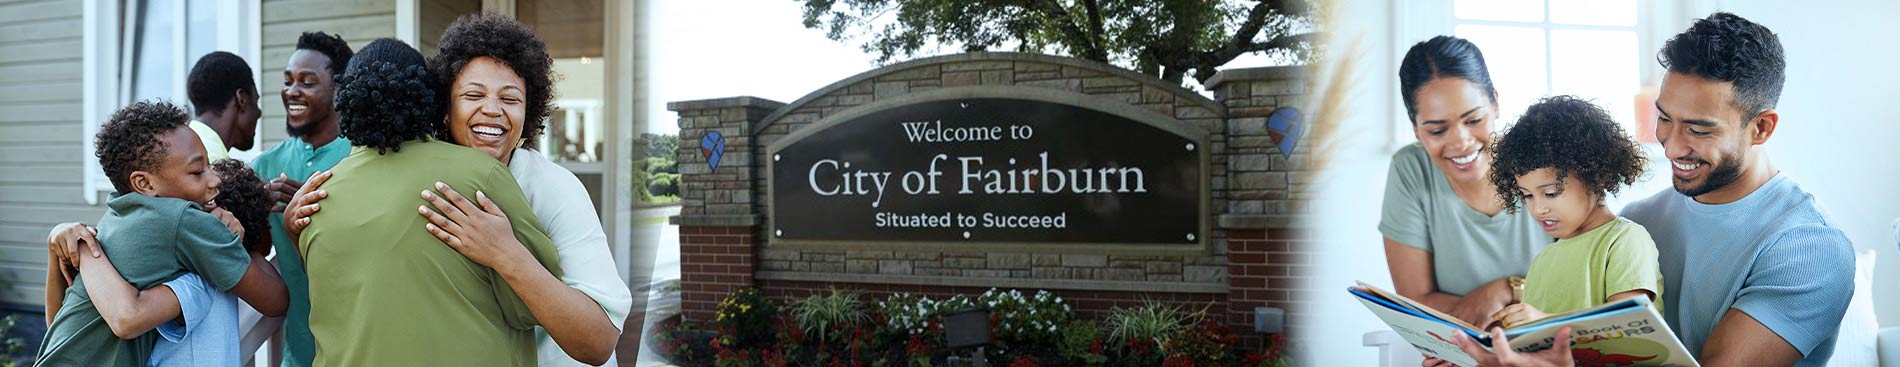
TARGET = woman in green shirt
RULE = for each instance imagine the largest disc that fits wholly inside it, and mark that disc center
(1448, 241)
(383, 290)
(495, 81)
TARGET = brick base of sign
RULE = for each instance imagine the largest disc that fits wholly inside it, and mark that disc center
(1263, 267)
(1266, 268)
(714, 262)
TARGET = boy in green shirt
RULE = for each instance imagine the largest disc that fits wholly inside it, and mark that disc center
(156, 228)
(1558, 162)
(383, 291)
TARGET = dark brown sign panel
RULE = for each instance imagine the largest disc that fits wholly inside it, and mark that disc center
(989, 170)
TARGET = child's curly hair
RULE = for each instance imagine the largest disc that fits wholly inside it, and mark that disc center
(128, 142)
(1571, 136)
(386, 97)
(242, 193)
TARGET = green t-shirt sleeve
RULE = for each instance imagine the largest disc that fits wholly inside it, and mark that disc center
(207, 248)
(1402, 217)
(1631, 263)
(502, 189)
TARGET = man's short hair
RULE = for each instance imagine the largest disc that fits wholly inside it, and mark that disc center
(330, 45)
(215, 79)
(1727, 48)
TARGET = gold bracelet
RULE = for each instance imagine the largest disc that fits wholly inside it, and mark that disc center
(1517, 288)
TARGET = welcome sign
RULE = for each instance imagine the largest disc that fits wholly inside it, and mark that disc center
(989, 170)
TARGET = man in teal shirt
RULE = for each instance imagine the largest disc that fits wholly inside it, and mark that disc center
(309, 87)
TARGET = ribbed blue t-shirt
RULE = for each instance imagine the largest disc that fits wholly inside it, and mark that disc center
(1774, 255)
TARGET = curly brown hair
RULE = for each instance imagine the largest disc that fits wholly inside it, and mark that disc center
(242, 193)
(128, 142)
(507, 41)
(385, 98)
(1571, 136)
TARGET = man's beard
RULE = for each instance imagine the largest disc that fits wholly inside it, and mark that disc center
(1719, 176)
(297, 132)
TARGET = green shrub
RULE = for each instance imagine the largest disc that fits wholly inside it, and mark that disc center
(657, 165)
(1152, 322)
(827, 316)
(663, 184)
(1026, 321)
(744, 319)
(1082, 343)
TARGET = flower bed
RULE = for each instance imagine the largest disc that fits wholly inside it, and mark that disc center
(840, 328)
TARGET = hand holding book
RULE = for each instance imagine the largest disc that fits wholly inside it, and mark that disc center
(1516, 314)
(1557, 356)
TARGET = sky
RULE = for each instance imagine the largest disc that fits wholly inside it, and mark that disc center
(727, 48)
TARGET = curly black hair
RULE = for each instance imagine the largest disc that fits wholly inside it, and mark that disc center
(242, 193)
(1571, 136)
(330, 45)
(507, 41)
(215, 79)
(386, 97)
(1725, 47)
(128, 142)
(1442, 57)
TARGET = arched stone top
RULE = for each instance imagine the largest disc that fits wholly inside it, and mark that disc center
(1146, 117)
(996, 69)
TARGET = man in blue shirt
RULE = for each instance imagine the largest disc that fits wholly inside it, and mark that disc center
(309, 87)
(1756, 272)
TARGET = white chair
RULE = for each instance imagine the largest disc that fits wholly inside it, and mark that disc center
(1395, 351)
(1856, 343)
(1889, 338)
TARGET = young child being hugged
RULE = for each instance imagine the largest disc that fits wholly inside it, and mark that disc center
(1558, 162)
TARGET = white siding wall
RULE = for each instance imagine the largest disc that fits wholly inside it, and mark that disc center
(40, 155)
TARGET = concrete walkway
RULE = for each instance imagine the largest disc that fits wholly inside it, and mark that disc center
(650, 225)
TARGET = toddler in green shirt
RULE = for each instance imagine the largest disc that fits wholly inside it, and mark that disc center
(1558, 162)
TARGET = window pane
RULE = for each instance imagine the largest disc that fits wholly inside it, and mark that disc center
(574, 132)
(1599, 65)
(155, 61)
(1515, 56)
(1502, 10)
(1594, 12)
(201, 31)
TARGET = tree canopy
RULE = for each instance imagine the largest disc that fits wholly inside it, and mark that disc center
(1168, 39)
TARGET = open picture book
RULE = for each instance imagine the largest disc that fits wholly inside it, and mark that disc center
(1623, 333)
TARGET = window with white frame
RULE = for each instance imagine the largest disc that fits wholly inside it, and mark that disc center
(1539, 48)
(139, 50)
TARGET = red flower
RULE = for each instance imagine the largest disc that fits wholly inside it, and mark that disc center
(916, 346)
(1096, 347)
(772, 358)
(1141, 347)
(1256, 358)
(1025, 361)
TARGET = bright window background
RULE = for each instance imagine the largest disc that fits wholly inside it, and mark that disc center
(158, 43)
(1555, 47)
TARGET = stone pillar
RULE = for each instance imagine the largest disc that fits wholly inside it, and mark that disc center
(1265, 250)
(719, 211)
